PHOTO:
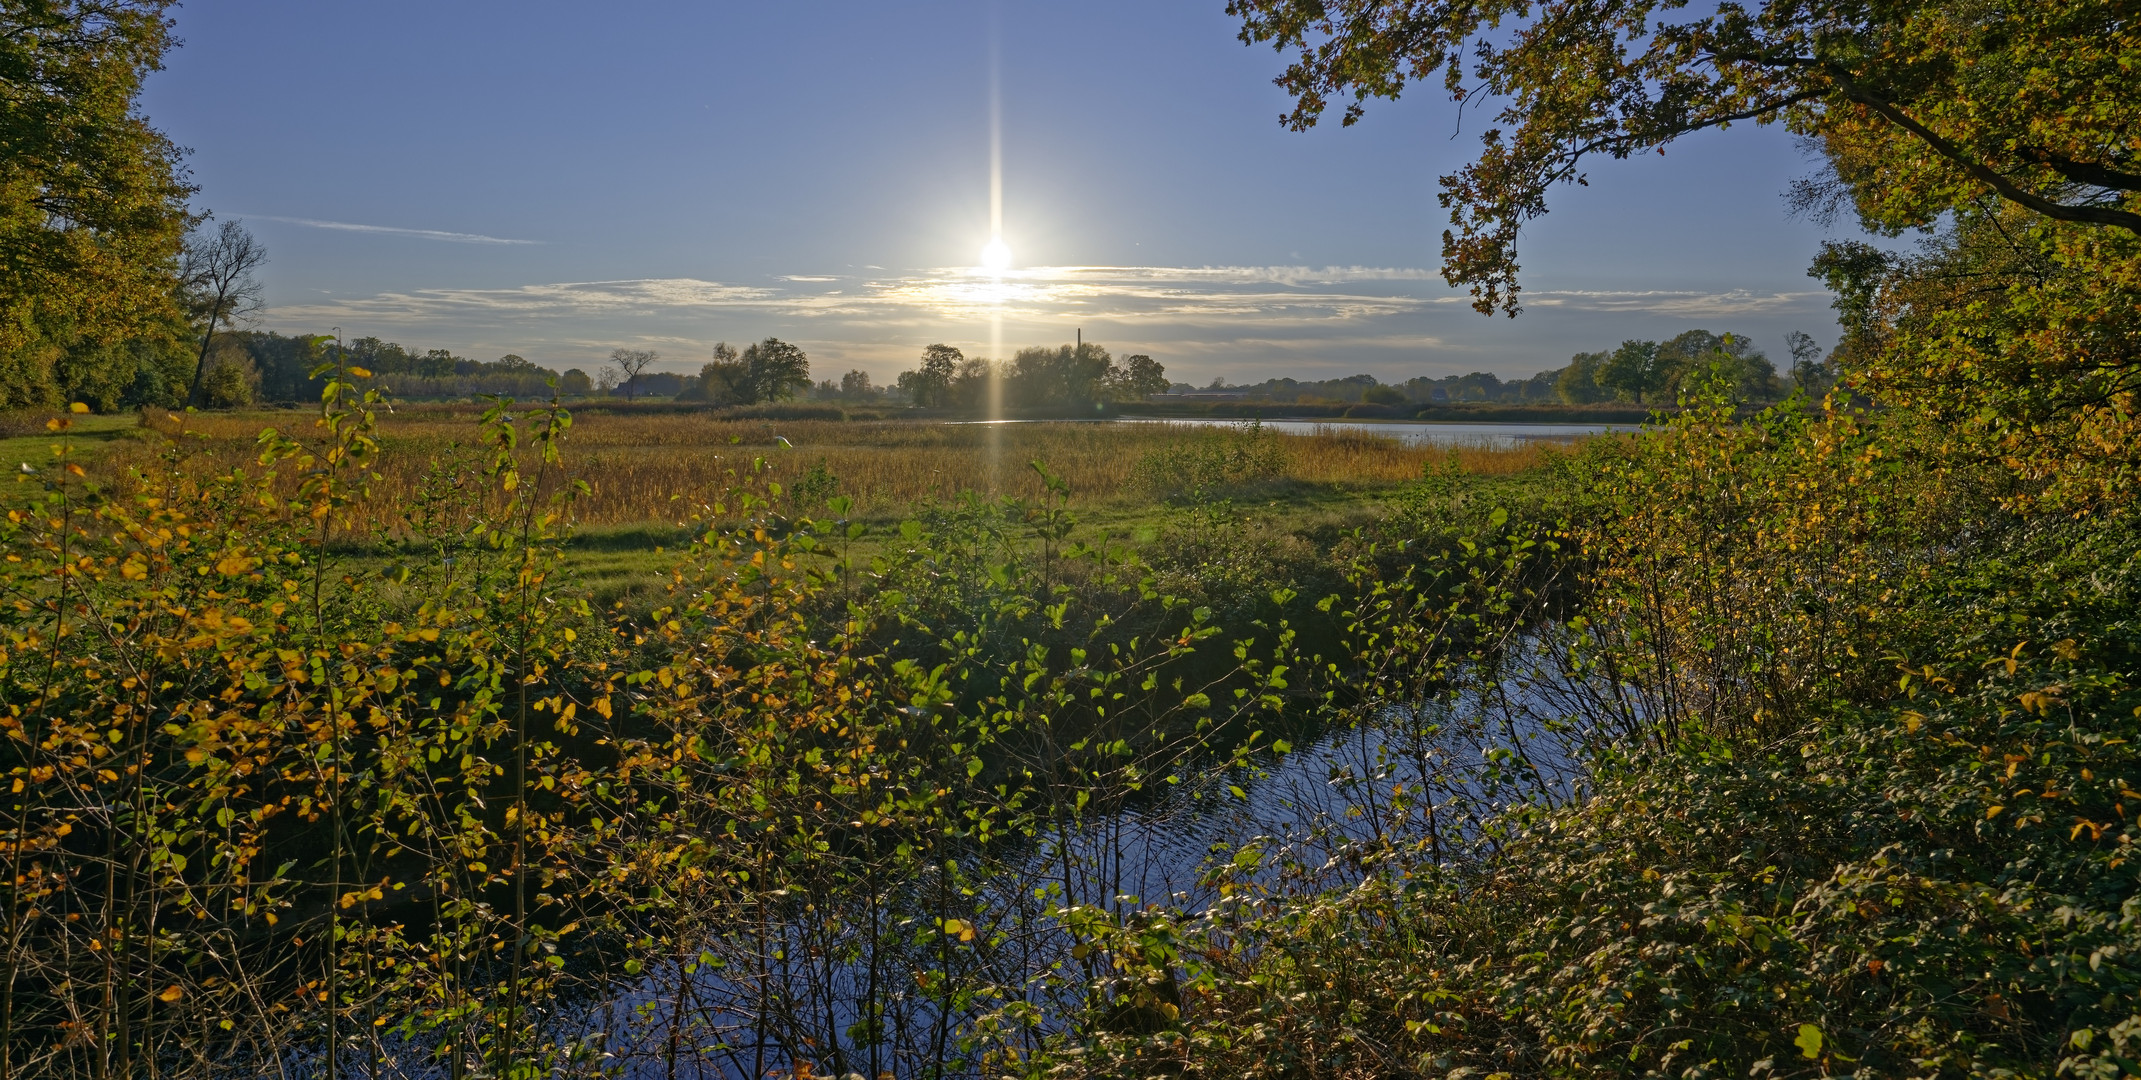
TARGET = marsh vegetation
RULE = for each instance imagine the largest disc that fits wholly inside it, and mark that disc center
(490, 740)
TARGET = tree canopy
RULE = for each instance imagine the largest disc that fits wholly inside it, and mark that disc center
(774, 370)
(930, 385)
(1919, 107)
(92, 199)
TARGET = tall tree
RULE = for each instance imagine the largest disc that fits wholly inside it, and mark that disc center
(1065, 376)
(633, 363)
(92, 199)
(1577, 384)
(721, 381)
(1137, 378)
(1730, 357)
(930, 386)
(1809, 371)
(2018, 337)
(216, 272)
(774, 370)
(1633, 369)
(1919, 107)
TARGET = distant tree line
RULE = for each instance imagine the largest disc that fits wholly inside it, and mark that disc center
(1066, 378)
(1638, 371)
(246, 366)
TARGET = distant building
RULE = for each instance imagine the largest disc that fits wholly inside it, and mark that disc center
(653, 384)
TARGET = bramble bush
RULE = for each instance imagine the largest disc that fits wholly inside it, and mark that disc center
(1789, 743)
(287, 797)
(1847, 786)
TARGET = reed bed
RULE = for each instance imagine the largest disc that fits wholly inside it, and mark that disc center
(660, 467)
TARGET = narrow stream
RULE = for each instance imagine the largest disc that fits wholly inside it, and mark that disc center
(1419, 775)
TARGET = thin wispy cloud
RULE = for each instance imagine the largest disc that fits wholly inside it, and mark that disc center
(1226, 275)
(1163, 294)
(392, 230)
(1679, 303)
(564, 300)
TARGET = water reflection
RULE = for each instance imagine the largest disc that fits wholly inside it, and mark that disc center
(1408, 433)
(878, 978)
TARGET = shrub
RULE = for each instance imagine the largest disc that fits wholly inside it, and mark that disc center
(1940, 889)
(1211, 462)
(281, 791)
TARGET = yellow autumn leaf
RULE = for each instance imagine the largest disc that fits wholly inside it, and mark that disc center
(1809, 1041)
(171, 993)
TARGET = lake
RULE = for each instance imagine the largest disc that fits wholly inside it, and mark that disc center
(1409, 432)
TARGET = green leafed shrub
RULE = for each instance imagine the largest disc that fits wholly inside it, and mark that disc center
(1943, 888)
(1211, 462)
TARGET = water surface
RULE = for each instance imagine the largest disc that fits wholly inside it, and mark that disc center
(1408, 432)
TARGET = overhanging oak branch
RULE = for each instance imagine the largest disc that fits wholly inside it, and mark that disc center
(2008, 189)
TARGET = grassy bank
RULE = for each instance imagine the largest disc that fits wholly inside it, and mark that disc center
(1211, 751)
(644, 467)
(654, 475)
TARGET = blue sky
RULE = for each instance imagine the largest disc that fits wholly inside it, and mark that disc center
(557, 180)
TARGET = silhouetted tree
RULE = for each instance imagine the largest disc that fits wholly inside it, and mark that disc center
(632, 362)
(720, 380)
(1068, 375)
(1631, 370)
(1810, 371)
(773, 370)
(1137, 378)
(216, 272)
(930, 386)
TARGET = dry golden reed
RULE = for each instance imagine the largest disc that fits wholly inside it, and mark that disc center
(657, 467)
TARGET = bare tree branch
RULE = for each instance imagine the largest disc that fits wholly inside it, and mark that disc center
(632, 362)
(216, 270)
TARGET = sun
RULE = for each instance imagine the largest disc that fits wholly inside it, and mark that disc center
(996, 256)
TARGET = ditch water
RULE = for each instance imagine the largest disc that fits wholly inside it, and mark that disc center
(1293, 822)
